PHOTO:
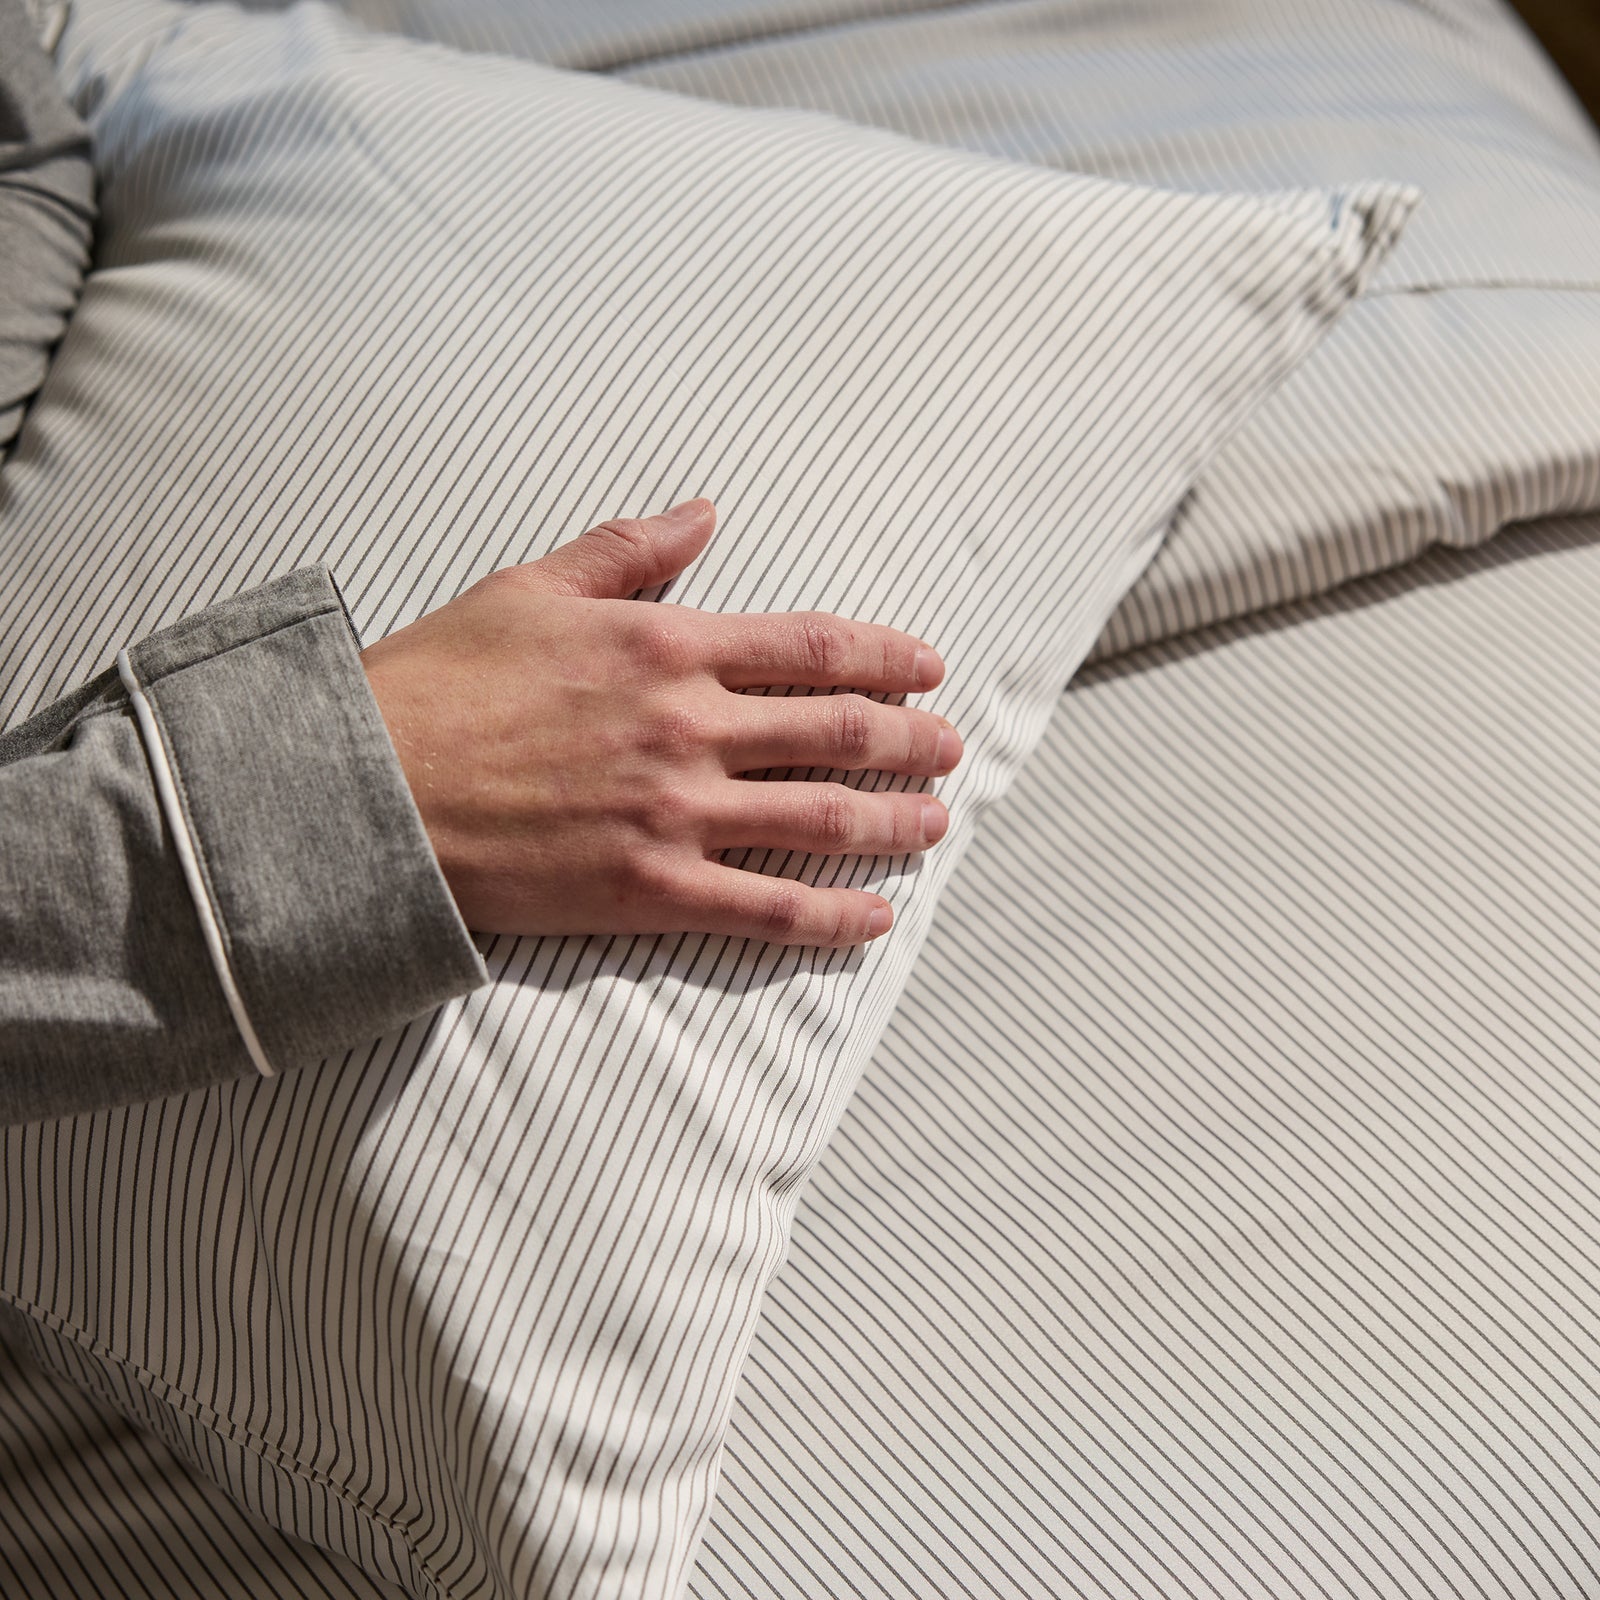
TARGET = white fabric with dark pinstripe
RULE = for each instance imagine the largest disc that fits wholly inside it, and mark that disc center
(468, 1307)
(1216, 1217)
(1459, 396)
(93, 1508)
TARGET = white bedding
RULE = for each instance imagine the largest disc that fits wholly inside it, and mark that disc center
(467, 1307)
(1217, 1216)
(1211, 1221)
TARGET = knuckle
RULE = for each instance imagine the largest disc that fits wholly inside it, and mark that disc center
(832, 822)
(784, 915)
(658, 643)
(648, 880)
(616, 553)
(822, 644)
(852, 727)
(666, 810)
(676, 732)
(505, 581)
(905, 826)
(625, 535)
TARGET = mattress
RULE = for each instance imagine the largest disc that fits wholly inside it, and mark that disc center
(1215, 1217)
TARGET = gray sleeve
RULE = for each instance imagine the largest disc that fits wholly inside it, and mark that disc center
(310, 915)
(46, 212)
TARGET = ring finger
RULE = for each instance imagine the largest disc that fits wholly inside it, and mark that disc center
(841, 732)
(829, 819)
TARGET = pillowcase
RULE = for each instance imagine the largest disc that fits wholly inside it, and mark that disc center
(1462, 394)
(46, 211)
(602, 38)
(468, 1307)
(91, 1505)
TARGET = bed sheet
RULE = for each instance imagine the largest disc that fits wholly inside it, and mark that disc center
(1216, 1218)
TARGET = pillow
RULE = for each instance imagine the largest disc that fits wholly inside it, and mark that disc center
(468, 1307)
(46, 212)
(91, 1505)
(1462, 394)
(603, 37)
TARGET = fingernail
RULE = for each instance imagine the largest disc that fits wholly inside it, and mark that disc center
(687, 511)
(927, 669)
(949, 748)
(879, 921)
(935, 821)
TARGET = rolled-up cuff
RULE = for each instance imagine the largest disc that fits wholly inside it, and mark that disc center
(326, 912)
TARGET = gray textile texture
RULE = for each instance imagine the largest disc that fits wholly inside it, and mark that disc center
(336, 920)
(46, 212)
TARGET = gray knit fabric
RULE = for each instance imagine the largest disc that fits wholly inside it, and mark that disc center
(46, 212)
(335, 919)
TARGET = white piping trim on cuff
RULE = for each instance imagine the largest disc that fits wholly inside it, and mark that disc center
(179, 824)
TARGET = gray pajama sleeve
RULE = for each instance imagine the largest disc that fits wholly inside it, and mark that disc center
(311, 916)
(46, 213)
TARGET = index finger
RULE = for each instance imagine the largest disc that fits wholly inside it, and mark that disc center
(817, 650)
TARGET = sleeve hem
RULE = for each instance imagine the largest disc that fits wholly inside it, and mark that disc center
(325, 911)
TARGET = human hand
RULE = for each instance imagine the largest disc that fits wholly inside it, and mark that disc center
(574, 753)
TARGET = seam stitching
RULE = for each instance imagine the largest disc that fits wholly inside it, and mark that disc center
(234, 1433)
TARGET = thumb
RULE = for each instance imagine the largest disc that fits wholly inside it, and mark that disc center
(617, 558)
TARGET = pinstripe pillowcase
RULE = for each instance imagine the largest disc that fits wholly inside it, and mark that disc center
(469, 1306)
(1463, 393)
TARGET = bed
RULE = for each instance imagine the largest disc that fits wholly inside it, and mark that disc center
(1212, 1216)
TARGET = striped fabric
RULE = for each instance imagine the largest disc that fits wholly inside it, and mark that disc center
(1218, 1215)
(91, 1506)
(1462, 395)
(1215, 1216)
(602, 37)
(467, 1308)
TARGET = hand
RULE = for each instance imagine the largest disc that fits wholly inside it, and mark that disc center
(575, 753)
